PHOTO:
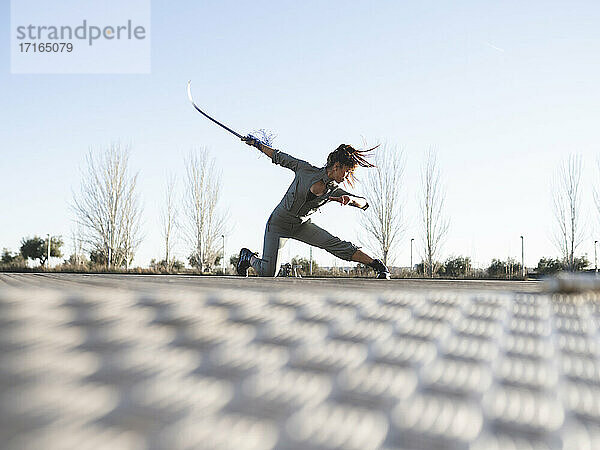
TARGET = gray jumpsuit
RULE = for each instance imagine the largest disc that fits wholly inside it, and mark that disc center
(289, 218)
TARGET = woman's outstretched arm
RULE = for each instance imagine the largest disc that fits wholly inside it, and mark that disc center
(278, 157)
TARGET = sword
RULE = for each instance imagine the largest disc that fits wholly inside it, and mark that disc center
(189, 93)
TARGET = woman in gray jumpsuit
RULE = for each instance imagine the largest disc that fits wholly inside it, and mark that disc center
(311, 188)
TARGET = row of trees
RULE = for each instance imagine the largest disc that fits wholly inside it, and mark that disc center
(383, 223)
(108, 212)
(460, 266)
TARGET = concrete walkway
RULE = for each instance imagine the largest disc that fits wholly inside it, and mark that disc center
(182, 362)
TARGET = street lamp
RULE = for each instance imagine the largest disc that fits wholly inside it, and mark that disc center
(596, 256)
(411, 253)
(223, 264)
(522, 258)
(48, 259)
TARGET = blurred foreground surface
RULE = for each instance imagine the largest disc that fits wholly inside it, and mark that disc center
(170, 362)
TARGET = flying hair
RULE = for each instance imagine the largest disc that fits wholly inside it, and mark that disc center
(350, 157)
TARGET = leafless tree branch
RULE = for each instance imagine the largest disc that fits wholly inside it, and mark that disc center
(382, 222)
(169, 217)
(566, 198)
(205, 222)
(435, 224)
(107, 206)
(597, 189)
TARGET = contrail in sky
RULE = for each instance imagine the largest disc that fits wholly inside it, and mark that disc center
(495, 48)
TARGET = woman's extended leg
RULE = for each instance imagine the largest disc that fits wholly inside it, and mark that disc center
(312, 234)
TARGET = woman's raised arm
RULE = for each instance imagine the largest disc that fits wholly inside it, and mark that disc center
(277, 157)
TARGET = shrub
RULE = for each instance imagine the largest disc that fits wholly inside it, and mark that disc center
(504, 269)
(455, 267)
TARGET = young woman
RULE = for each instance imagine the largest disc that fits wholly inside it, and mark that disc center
(312, 187)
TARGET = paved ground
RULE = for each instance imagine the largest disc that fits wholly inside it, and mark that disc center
(179, 362)
(254, 283)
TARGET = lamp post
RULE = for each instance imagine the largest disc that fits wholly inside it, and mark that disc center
(411, 253)
(522, 258)
(48, 259)
(223, 236)
(596, 256)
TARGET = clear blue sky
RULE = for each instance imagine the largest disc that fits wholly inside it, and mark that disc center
(504, 90)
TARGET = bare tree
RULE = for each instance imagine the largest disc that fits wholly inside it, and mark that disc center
(566, 198)
(77, 241)
(382, 222)
(435, 224)
(597, 188)
(205, 222)
(169, 220)
(108, 208)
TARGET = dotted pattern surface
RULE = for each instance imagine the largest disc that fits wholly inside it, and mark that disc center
(111, 369)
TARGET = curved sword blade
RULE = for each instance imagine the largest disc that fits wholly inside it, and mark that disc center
(189, 93)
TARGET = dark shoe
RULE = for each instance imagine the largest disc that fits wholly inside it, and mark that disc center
(382, 271)
(244, 262)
